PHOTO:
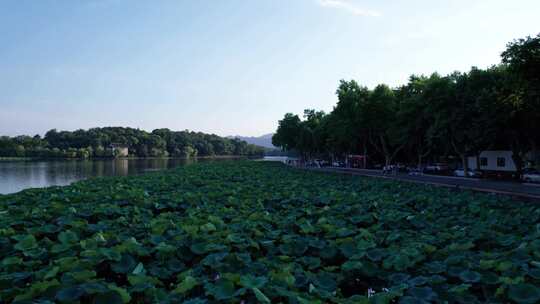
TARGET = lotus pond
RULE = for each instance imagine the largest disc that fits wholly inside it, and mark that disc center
(256, 232)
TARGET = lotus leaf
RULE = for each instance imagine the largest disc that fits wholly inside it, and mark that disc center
(26, 243)
(93, 288)
(11, 261)
(126, 264)
(326, 281)
(250, 281)
(418, 281)
(69, 294)
(68, 237)
(260, 296)
(124, 295)
(139, 269)
(352, 265)
(423, 293)
(110, 297)
(195, 301)
(470, 276)
(221, 290)
(258, 232)
(524, 293)
(186, 285)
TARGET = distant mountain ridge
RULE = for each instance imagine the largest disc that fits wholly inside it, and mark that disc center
(262, 141)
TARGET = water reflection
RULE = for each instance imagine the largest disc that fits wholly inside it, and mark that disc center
(18, 175)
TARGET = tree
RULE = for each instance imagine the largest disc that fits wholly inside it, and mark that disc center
(20, 151)
(347, 131)
(456, 118)
(287, 135)
(312, 132)
(378, 115)
(415, 117)
(304, 136)
(188, 152)
(523, 59)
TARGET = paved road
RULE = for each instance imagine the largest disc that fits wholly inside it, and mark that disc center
(530, 191)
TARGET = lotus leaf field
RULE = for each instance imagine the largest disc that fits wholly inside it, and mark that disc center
(257, 232)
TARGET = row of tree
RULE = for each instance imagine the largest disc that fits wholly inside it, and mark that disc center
(431, 117)
(96, 143)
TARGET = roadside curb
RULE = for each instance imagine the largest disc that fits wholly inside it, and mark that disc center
(437, 184)
(454, 177)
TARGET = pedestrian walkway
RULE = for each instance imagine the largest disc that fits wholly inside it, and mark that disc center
(517, 189)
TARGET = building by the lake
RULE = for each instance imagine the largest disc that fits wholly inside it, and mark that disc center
(119, 150)
(501, 160)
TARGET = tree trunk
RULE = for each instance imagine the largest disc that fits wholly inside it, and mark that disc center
(365, 154)
(421, 157)
(387, 157)
(535, 155)
(518, 161)
(517, 157)
(463, 156)
(465, 165)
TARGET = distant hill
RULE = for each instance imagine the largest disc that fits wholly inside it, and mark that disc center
(262, 141)
(124, 141)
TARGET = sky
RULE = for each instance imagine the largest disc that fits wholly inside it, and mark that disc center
(228, 67)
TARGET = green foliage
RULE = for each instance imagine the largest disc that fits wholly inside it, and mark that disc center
(288, 132)
(186, 285)
(26, 243)
(304, 136)
(96, 143)
(522, 57)
(433, 117)
(264, 233)
(524, 293)
(470, 276)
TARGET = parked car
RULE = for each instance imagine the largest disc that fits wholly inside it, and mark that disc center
(437, 168)
(393, 169)
(317, 163)
(470, 173)
(388, 169)
(530, 176)
(415, 171)
(401, 168)
(338, 164)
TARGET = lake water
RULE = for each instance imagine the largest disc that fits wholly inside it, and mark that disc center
(18, 175)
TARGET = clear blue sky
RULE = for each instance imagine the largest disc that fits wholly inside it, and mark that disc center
(228, 67)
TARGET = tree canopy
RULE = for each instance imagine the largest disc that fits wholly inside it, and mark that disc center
(459, 114)
(95, 142)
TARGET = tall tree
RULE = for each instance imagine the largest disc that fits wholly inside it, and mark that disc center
(347, 131)
(288, 132)
(523, 59)
(379, 115)
(415, 117)
(313, 126)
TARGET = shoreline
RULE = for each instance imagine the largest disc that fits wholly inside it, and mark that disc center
(127, 158)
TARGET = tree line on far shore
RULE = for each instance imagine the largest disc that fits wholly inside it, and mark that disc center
(96, 142)
(431, 117)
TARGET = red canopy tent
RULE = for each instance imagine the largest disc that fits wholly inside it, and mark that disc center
(357, 161)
